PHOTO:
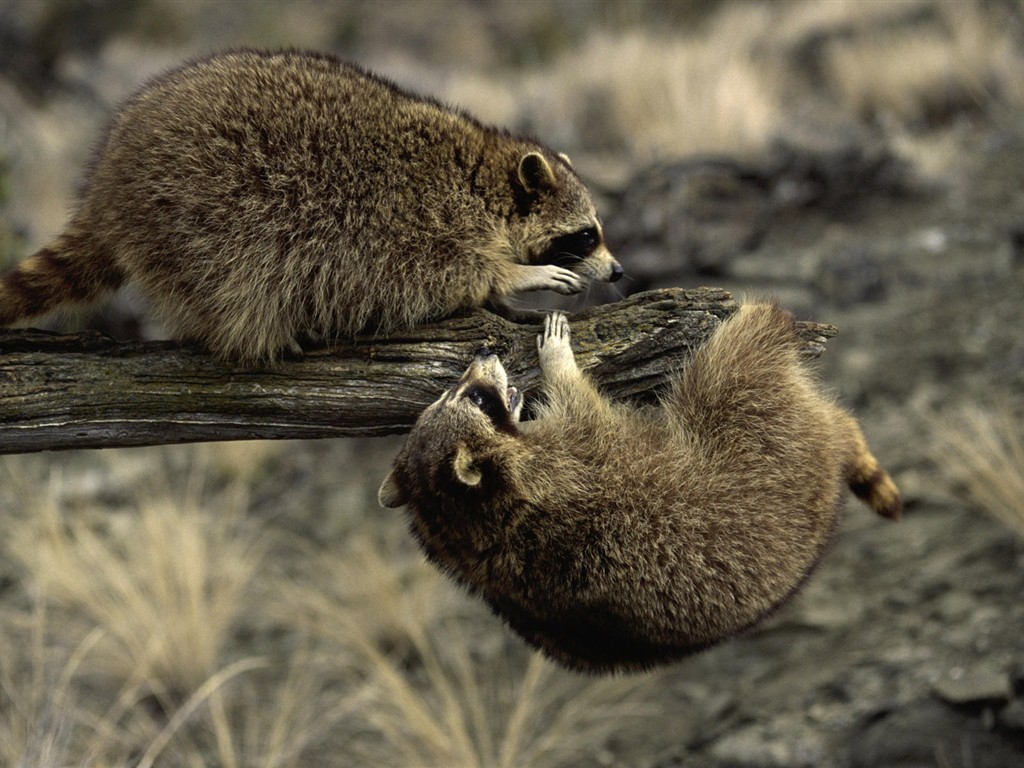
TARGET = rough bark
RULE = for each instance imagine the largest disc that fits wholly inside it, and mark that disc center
(86, 390)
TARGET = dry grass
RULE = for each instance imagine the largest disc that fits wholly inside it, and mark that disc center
(34, 720)
(119, 646)
(122, 642)
(967, 58)
(165, 582)
(51, 717)
(643, 94)
(46, 717)
(982, 450)
(278, 725)
(443, 685)
(639, 93)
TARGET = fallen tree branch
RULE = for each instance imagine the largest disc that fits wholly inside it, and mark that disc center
(86, 390)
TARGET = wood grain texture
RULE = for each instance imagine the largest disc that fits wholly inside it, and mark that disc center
(86, 390)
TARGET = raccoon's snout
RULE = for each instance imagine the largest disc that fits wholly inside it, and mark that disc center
(617, 272)
(486, 368)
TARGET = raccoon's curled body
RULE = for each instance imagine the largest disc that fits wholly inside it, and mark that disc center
(259, 197)
(616, 537)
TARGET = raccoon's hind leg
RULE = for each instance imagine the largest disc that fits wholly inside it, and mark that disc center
(746, 365)
(749, 372)
(744, 390)
(866, 478)
(569, 392)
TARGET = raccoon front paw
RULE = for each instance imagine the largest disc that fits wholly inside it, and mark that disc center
(564, 281)
(548, 277)
(553, 347)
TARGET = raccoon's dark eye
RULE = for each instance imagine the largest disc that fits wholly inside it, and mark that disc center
(486, 400)
(573, 247)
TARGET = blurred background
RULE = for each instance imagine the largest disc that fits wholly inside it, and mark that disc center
(248, 604)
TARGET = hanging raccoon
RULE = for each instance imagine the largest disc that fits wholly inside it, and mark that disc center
(257, 198)
(615, 537)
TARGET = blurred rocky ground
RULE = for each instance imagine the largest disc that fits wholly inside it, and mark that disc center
(861, 161)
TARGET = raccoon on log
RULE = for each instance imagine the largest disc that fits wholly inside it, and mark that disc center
(614, 536)
(258, 198)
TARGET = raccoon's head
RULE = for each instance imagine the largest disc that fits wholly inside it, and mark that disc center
(456, 448)
(558, 221)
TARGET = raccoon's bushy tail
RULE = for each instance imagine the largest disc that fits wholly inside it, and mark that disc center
(868, 481)
(70, 271)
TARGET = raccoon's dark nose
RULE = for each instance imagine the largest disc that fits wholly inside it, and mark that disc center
(483, 352)
(617, 272)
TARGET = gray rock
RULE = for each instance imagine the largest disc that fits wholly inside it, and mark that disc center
(1011, 716)
(925, 733)
(755, 746)
(981, 684)
(853, 275)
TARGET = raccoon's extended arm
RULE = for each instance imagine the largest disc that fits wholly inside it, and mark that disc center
(544, 277)
(568, 390)
(527, 277)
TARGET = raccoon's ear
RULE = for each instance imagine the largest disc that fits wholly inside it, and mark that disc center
(535, 174)
(389, 494)
(465, 469)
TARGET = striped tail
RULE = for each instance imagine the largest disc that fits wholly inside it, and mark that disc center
(870, 483)
(57, 276)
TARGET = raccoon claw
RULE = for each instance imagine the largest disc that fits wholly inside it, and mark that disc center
(564, 281)
(556, 328)
(553, 347)
(293, 350)
(548, 277)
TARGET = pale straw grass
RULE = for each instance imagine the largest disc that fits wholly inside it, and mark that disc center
(35, 699)
(46, 717)
(966, 58)
(635, 94)
(644, 94)
(133, 657)
(981, 448)
(165, 584)
(443, 685)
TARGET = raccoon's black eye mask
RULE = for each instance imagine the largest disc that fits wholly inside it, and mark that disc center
(573, 247)
(489, 401)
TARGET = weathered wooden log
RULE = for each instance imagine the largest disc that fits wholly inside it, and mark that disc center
(86, 390)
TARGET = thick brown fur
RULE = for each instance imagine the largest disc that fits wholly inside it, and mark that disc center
(615, 537)
(259, 197)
